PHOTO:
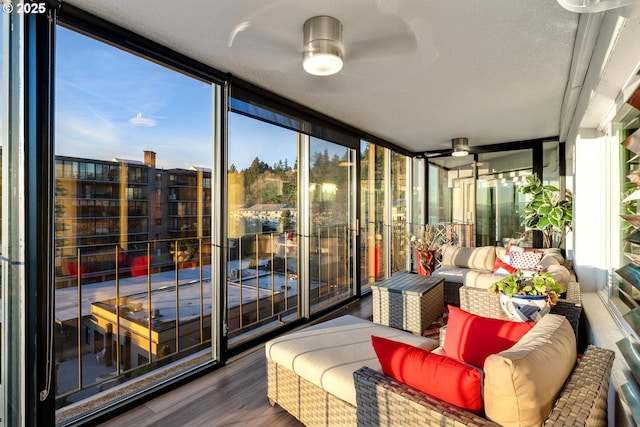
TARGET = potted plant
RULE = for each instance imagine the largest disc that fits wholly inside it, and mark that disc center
(526, 297)
(425, 249)
(547, 211)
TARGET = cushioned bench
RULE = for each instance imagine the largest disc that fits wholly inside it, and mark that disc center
(310, 372)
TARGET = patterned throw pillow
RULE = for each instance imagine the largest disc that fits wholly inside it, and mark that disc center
(511, 249)
(527, 260)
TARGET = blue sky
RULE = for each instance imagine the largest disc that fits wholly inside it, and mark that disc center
(101, 90)
(249, 138)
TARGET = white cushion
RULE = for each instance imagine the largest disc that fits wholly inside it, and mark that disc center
(480, 258)
(327, 354)
(452, 274)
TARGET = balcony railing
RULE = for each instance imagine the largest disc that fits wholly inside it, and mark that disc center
(123, 311)
(120, 313)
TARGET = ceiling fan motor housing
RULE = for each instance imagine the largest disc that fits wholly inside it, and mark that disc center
(323, 50)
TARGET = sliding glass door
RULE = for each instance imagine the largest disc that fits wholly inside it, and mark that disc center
(134, 168)
(263, 241)
(374, 184)
(331, 223)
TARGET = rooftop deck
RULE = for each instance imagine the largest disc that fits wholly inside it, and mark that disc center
(235, 394)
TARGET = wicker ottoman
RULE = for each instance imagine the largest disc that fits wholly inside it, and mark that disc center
(310, 371)
(408, 301)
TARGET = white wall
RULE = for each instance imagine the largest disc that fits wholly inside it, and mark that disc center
(591, 190)
(612, 75)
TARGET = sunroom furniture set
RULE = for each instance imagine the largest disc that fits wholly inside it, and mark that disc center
(330, 374)
(339, 372)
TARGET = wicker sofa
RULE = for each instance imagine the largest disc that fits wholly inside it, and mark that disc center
(310, 392)
(582, 402)
(480, 302)
(474, 267)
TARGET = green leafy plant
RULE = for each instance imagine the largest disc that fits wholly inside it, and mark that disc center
(540, 284)
(547, 211)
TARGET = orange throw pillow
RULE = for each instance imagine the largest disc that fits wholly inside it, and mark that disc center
(439, 376)
(471, 338)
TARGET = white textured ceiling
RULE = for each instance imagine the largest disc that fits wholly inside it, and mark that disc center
(417, 72)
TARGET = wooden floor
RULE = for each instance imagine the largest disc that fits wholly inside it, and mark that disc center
(234, 395)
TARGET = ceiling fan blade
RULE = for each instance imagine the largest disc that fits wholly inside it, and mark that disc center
(249, 43)
(381, 48)
(394, 38)
(434, 154)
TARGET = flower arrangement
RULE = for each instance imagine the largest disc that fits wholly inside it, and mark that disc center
(425, 248)
(538, 284)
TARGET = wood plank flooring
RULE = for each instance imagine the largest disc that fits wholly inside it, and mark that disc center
(234, 395)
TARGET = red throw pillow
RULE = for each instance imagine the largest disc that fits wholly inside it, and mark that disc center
(439, 376)
(501, 267)
(471, 338)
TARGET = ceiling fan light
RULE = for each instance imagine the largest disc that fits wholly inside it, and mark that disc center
(323, 51)
(460, 147)
(322, 64)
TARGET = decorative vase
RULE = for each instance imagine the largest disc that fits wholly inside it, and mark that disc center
(524, 308)
(428, 264)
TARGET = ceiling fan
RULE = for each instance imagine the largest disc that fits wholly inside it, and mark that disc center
(459, 148)
(271, 37)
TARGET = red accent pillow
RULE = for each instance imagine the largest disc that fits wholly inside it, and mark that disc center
(471, 338)
(502, 267)
(439, 376)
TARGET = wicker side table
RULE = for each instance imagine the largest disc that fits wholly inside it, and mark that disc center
(408, 301)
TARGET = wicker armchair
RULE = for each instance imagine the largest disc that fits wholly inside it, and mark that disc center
(479, 301)
(582, 402)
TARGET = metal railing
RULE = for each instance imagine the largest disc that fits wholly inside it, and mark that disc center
(120, 313)
(124, 311)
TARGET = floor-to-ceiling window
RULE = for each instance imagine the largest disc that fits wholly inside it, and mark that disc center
(478, 194)
(419, 193)
(451, 199)
(291, 215)
(262, 232)
(331, 218)
(133, 218)
(374, 177)
(499, 203)
(439, 201)
(400, 194)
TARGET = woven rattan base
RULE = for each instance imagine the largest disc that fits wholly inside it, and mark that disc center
(582, 402)
(306, 401)
(408, 301)
(479, 301)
